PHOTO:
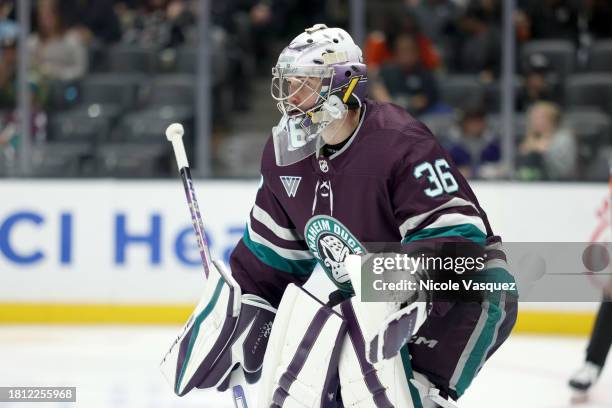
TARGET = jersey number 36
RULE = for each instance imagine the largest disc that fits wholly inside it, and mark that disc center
(438, 175)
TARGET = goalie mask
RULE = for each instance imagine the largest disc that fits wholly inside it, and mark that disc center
(317, 79)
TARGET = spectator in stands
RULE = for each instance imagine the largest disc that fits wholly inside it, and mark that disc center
(404, 81)
(156, 23)
(258, 23)
(551, 18)
(8, 144)
(56, 52)
(474, 146)
(9, 136)
(376, 51)
(8, 100)
(8, 77)
(548, 150)
(8, 69)
(480, 39)
(379, 44)
(539, 85)
(8, 27)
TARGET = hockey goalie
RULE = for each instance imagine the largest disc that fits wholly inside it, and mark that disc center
(340, 171)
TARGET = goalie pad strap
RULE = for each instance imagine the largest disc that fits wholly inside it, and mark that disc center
(373, 385)
(370, 377)
(301, 354)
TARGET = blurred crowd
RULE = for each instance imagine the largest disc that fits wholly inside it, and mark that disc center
(105, 76)
(441, 61)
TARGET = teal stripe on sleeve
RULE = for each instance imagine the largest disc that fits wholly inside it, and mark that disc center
(302, 267)
(468, 231)
(497, 275)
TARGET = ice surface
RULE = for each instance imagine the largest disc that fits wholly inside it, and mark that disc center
(118, 367)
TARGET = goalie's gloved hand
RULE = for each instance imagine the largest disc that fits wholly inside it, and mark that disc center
(387, 326)
(226, 331)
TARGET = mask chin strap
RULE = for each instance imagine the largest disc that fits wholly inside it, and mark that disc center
(332, 109)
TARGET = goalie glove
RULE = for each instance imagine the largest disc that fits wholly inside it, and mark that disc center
(227, 329)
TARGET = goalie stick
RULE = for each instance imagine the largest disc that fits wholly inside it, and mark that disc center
(174, 134)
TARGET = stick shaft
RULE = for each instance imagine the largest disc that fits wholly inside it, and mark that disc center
(196, 219)
(179, 153)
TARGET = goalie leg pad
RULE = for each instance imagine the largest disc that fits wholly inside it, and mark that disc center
(390, 383)
(226, 329)
(301, 361)
(365, 385)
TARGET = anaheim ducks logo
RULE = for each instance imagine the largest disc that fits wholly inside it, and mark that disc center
(330, 242)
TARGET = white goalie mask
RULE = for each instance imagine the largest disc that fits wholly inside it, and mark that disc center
(317, 78)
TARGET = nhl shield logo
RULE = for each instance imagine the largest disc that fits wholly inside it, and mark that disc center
(330, 242)
(323, 166)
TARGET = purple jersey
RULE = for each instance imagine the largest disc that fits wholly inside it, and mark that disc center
(391, 182)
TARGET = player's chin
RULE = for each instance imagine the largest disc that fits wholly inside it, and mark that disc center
(303, 108)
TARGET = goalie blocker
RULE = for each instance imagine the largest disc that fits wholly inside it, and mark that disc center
(227, 329)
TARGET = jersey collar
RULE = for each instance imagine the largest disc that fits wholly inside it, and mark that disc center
(354, 135)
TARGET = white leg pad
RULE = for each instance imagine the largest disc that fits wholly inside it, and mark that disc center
(301, 361)
(366, 385)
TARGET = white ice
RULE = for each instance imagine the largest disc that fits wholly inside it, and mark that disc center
(118, 367)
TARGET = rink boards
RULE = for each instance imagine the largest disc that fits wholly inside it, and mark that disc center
(123, 251)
